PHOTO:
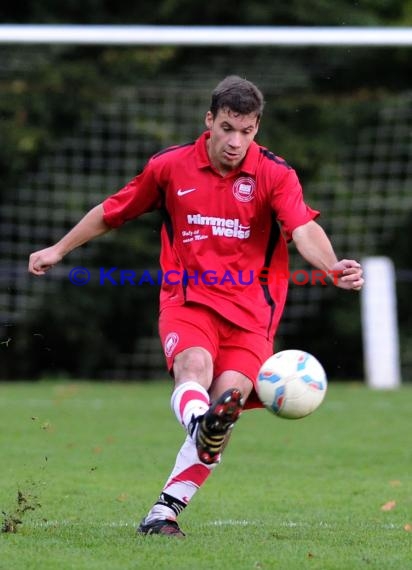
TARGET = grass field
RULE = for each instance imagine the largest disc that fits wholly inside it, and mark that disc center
(83, 463)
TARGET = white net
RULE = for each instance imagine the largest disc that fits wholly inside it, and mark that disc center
(365, 195)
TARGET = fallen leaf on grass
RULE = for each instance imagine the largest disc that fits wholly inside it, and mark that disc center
(408, 527)
(65, 392)
(389, 506)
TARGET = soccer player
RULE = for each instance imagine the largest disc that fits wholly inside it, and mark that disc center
(229, 208)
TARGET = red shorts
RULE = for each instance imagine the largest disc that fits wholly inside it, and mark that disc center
(231, 347)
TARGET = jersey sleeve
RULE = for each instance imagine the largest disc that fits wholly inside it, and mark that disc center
(288, 203)
(139, 196)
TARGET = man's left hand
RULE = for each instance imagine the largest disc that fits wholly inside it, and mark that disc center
(347, 274)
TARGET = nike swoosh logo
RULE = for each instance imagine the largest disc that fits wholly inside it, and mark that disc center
(181, 192)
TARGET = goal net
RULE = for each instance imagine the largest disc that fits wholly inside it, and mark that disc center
(75, 136)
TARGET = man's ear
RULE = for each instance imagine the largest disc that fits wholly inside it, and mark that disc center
(209, 120)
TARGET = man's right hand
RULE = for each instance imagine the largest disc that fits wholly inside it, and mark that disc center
(43, 260)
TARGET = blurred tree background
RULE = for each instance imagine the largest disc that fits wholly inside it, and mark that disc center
(79, 335)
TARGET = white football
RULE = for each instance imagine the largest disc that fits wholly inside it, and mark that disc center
(291, 384)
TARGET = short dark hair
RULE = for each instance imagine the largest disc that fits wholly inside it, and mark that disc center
(239, 95)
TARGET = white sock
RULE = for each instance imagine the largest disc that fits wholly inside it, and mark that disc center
(187, 476)
(189, 400)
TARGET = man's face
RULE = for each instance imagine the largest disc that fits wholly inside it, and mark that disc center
(230, 136)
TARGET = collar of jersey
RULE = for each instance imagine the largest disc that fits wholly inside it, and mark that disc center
(248, 166)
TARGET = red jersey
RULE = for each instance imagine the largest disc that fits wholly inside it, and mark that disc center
(219, 231)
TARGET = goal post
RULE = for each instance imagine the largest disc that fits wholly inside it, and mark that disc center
(380, 324)
(206, 35)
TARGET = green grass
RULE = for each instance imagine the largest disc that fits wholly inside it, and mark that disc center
(288, 495)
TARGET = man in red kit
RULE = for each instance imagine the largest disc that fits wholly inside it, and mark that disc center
(229, 207)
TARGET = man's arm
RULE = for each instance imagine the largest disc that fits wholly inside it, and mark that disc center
(314, 245)
(89, 227)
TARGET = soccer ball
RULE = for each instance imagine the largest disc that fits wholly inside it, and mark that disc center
(291, 384)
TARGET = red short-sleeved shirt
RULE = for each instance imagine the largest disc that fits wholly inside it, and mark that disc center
(219, 231)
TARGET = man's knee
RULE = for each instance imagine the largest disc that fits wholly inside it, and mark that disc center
(193, 364)
(231, 379)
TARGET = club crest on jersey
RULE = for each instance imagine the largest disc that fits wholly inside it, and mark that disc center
(170, 343)
(244, 189)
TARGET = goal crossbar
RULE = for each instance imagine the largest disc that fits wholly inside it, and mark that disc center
(204, 35)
